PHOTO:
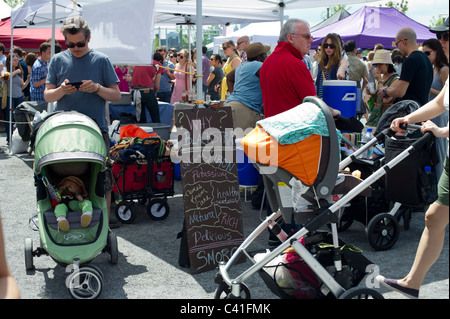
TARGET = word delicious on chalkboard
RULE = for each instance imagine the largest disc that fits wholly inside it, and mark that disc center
(211, 193)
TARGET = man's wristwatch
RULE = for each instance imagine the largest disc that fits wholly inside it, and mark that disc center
(384, 91)
(98, 88)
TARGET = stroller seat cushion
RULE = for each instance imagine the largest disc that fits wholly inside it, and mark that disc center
(74, 219)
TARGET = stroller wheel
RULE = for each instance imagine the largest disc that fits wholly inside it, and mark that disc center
(85, 283)
(124, 212)
(158, 209)
(383, 231)
(361, 293)
(29, 254)
(112, 248)
(224, 292)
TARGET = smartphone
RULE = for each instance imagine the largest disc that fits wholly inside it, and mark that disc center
(75, 84)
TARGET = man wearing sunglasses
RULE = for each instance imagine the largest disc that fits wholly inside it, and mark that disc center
(99, 81)
(417, 71)
(285, 79)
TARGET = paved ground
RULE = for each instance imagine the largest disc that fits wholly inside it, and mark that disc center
(148, 250)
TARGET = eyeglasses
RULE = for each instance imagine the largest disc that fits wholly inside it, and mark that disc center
(305, 36)
(181, 57)
(442, 35)
(239, 43)
(71, 45)
(224, 48)
(331, 46)
(211, 59)
(396, 43)
(427, 53)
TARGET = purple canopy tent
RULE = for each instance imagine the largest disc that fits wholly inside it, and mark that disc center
(371, 25)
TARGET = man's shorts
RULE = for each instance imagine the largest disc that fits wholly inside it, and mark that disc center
(443, 185)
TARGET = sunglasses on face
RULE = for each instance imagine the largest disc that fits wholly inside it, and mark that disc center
(224, 48)
(181, 57)
(331, 46)
(442, 36)
(71, 45)
(427, 53)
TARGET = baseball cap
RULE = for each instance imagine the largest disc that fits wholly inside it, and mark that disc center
(440, 28)
(256, 48)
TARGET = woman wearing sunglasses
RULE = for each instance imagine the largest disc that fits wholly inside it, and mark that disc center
(181, 82)
(233, 61)
(332, 66)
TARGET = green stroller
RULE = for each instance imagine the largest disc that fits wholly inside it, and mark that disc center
(70, 143)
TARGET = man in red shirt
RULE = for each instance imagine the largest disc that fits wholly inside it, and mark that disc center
(285, 79)
(145, 80)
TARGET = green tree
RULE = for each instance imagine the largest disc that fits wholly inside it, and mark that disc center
(13, 3)
(435, 21)
(332, 10)
(400, 6)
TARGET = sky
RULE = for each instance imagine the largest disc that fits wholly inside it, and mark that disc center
(421, 11)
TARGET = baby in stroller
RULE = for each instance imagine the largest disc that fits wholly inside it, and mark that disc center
(73, 196)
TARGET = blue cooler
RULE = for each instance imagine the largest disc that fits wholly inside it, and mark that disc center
(341, 95)
(248, 174)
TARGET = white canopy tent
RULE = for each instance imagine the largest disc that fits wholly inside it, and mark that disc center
(5, 10)
(125, 40)
(266, 33)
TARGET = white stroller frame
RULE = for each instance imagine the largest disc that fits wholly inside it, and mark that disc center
(324, 216)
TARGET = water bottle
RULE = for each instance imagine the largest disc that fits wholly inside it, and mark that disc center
(367, 136)
(429, 185)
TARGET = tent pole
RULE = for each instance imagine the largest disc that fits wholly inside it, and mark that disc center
(199, 42)
(10, 91)
(50, 106)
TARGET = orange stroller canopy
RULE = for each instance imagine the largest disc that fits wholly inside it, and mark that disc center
(296, 140)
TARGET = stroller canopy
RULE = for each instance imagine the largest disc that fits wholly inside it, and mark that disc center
(68, 137)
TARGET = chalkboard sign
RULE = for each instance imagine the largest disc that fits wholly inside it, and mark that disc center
(210, 182)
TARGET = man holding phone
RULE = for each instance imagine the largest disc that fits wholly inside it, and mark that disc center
(99, 82)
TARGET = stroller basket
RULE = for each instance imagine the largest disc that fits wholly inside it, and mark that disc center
(412, 182)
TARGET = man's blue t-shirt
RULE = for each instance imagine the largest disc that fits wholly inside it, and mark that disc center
(164, 85)
(247, 89)
(94, 66)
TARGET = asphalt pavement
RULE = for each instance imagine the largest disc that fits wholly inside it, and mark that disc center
(148, 250)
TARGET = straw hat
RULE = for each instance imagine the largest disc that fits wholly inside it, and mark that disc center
(255, 49)
(382, 57)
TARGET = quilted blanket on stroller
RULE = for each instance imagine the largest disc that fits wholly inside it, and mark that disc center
(297, 124)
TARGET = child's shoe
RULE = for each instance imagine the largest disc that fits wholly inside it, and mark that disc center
(86, 219)
(63, 223)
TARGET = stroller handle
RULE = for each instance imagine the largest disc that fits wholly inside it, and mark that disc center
(427, 136)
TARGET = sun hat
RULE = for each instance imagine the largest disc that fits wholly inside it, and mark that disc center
(382, 57)
(255, 49)
(440, 28)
